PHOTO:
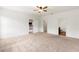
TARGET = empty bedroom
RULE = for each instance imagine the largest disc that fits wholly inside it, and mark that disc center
(39, 28)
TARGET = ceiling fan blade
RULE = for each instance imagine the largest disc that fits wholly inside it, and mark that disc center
(45, 10)
(40, 7)
(37, 6)
(45, 7)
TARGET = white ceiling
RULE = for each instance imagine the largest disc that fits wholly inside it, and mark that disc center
(29, 9)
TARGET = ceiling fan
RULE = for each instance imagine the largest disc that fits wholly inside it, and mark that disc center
(41, 9)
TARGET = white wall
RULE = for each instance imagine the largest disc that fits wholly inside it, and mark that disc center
(52, 24)
(68, 20)
(14, 23)
(37, 23)
(71, 22)
(0, 20)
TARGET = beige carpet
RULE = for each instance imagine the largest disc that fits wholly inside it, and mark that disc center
(39, 42)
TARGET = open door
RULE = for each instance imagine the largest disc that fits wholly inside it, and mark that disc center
(30, 26)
